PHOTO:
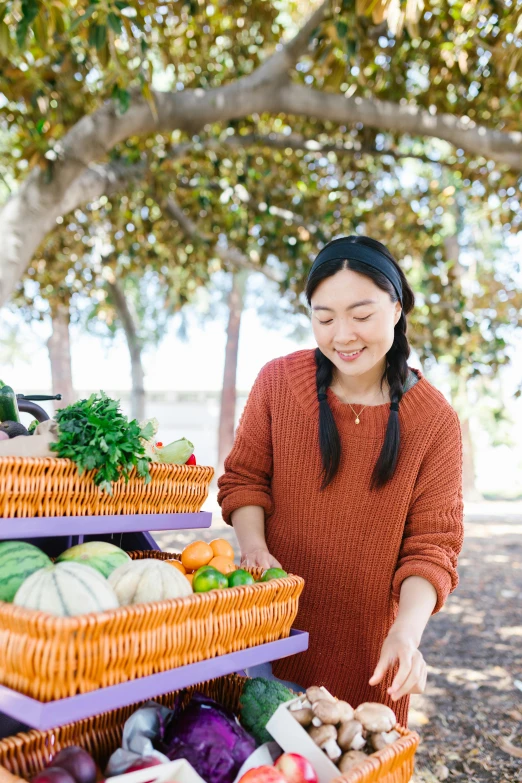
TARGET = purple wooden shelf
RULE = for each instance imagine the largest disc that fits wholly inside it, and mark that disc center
(47, 715)
(34, 527)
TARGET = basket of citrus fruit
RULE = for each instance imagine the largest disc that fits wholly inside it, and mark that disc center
(211, 567)
(160, 623)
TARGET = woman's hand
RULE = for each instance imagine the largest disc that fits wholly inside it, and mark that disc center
(411, 676)
(259, 557)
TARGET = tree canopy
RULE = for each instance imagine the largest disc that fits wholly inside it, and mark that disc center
(193, 100)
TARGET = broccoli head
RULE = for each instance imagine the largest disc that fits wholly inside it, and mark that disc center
(258, 702)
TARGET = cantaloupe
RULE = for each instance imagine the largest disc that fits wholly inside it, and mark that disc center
(101, 555)
(141, 581)
(18, 560)
(67, 589)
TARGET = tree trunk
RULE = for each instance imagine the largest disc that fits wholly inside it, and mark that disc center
(135, 349)
(469, 488)
(59, 347)
(227, 414)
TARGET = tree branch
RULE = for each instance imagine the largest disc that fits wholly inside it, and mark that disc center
(100, 180)
(501, 146)
(295, 142)
(31, 212)
(229, 255)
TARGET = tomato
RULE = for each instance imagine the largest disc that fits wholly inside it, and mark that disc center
(240, 577)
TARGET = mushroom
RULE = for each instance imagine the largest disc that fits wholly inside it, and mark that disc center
(383, 738)
(350, 735)
(316, 692)
(326, 712)
(351, 759)
(326, 738)
(331, 713)
(346, 710)
(303, 716)
(375, 717)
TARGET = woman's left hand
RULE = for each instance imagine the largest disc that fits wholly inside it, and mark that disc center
(411, 676)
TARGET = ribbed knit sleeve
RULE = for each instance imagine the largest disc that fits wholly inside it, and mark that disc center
(248, 467)
(434, 526)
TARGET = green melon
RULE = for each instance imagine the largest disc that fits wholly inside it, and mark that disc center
(101, 555)
(67, 589)
(18, 560)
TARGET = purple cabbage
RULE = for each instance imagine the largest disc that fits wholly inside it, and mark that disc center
(208, 736)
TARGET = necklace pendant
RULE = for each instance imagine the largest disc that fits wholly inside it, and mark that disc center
(357, 420)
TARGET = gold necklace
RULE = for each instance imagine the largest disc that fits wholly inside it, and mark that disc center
(357, 415)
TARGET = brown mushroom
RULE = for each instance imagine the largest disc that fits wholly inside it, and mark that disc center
(316, 692)
(350, 760)
(326, 712)
(346, 710)
(375, 717)
(303, 716)
(383, 739)
(350, 735)
(326, 738)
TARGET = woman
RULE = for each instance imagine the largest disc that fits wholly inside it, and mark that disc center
(347, 469)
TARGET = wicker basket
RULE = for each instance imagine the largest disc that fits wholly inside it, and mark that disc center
(25, 754)
(46, 487)
(50, 658)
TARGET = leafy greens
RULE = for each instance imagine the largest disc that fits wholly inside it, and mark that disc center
(96, 435)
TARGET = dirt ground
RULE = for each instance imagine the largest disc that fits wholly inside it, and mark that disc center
(470, 718)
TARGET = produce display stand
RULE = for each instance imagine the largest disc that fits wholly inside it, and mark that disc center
(45, 715)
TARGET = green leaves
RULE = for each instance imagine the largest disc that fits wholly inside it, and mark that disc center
(30, 10)
(97, 436)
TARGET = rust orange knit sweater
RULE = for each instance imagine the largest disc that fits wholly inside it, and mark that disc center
(353, 546)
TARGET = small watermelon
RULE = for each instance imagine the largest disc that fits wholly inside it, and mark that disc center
(18, 560)
(67, 589)
(101, 555)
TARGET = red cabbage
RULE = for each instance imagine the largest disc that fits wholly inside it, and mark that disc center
(208, 736)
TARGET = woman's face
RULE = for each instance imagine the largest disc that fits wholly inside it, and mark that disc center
(353, 322)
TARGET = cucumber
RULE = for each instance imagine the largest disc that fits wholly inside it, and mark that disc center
(8, 405)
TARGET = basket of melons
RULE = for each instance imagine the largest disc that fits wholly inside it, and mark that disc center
(97, 602)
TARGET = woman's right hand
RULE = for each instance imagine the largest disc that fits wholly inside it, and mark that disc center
(260, 558)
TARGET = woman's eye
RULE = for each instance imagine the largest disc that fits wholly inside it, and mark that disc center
(324, 323)
(363, 319)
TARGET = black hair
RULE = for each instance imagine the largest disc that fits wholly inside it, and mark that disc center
(395, 373)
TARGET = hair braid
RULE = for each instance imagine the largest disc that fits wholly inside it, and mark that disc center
(329, 440)
(396, 374)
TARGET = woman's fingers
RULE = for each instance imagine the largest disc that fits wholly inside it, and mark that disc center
(405, 664)
(415, 681)
(382, 667)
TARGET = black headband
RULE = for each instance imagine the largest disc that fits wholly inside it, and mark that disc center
(341, 248)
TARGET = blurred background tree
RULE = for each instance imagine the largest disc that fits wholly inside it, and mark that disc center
(145, 148)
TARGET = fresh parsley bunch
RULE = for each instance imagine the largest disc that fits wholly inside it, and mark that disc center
(96, 435)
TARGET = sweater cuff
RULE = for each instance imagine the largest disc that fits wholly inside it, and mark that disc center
(433, 573)
(245, 497)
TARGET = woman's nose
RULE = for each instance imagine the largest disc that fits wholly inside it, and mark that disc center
(345, 333)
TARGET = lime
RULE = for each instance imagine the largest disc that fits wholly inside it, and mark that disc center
(273, 573)
(240, 577)
(210, 579)
(203, 569)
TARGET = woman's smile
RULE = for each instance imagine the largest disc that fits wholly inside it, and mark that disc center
(349, 357)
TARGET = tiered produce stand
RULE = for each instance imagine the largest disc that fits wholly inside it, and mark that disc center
(44, 715)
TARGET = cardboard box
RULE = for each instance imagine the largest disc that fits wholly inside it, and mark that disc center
(180, 771)
(291, 736)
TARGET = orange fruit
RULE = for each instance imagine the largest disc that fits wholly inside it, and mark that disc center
(178, 565)
(222, 564)
(223, 548)
(190, 577)
(196, 555)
